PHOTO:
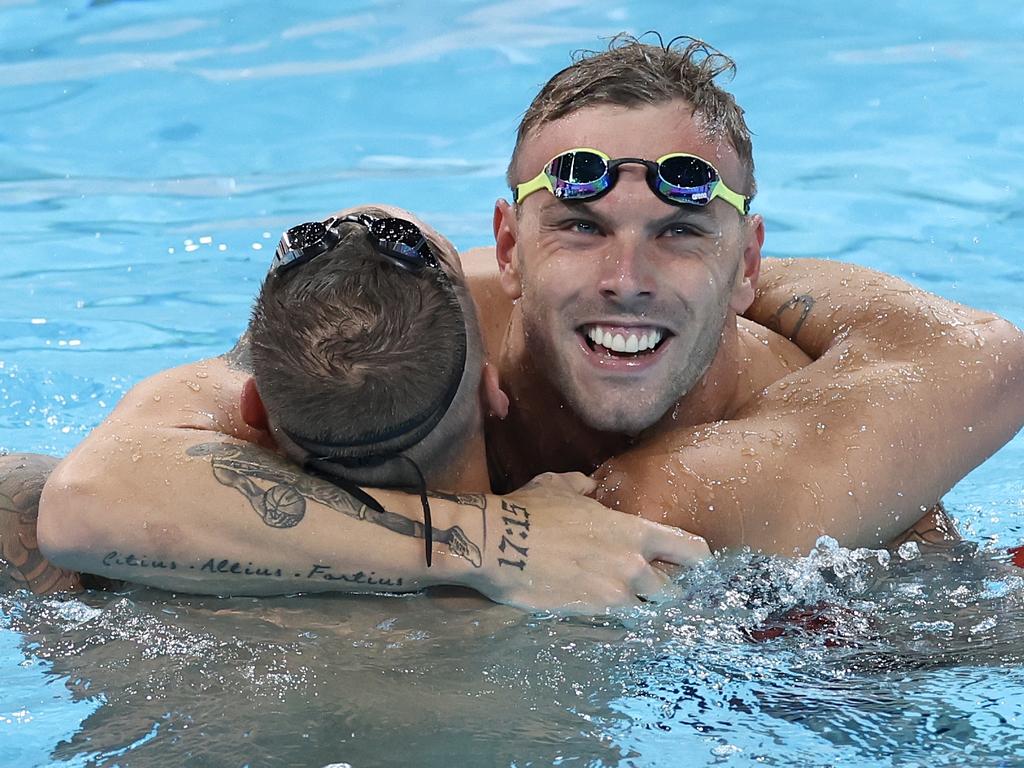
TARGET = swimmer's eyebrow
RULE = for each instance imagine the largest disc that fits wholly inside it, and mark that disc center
(697, 215)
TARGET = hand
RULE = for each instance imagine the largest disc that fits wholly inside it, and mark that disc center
(549, 547)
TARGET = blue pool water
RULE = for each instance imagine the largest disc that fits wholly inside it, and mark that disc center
(150, 155)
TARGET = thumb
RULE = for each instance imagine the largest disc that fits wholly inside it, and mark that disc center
(575, 482)
(566, 482)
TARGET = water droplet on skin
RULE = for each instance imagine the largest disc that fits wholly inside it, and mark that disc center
(201, 374)
(156, 398)
(193, 386)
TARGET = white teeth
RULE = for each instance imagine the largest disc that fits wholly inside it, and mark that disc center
(618, 343)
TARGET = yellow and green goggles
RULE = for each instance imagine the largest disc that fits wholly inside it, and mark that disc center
(587, 174)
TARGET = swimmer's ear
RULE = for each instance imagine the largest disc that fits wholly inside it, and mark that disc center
(253, 412)
(506, 235)
(493, 398)
(750, 265)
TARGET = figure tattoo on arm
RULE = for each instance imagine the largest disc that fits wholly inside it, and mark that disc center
(280, 499)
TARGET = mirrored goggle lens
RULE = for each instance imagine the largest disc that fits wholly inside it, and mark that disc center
(403, 237)
(578, 175)
(687, 179)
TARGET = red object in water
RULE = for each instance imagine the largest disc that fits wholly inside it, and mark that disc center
(1017, 556)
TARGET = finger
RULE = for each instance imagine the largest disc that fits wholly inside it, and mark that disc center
(650, 584)
(579, 483)
(572, 482)
(675, 546)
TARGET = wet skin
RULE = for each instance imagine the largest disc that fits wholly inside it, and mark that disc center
(630, 264)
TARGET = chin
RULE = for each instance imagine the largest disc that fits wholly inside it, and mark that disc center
(605, 415)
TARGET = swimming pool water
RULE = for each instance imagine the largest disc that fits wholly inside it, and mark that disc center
(151, 154)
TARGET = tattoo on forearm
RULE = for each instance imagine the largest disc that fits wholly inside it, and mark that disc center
(513, 540)
(21, 483)
(226, 567)
(477, 500)
(789, 318)
(283, 503)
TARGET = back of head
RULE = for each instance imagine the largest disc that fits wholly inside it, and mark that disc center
(347, 348)
(631, 73)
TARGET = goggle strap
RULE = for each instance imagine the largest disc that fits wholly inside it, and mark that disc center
(740, 202)
(537, 183)
(369, 501)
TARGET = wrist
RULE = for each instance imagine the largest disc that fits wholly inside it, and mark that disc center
(460, 538)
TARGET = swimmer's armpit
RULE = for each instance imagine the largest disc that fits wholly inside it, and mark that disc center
(280, 499)
(788, 319)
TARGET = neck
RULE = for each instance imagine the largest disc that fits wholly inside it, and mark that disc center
(543, 434)
(468, 472)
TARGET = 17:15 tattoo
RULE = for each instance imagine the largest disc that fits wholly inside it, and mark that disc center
(517, 526)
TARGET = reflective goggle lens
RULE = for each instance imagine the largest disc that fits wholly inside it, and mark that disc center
(578, 175)
(400, 240)
(687, 178)
(403, 239)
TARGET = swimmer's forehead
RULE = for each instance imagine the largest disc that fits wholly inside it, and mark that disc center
(442, 244)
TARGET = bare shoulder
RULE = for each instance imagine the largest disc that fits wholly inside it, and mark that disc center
(200, 395)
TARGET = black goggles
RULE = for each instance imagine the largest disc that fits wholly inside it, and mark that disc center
(400, 242)
(677, 178)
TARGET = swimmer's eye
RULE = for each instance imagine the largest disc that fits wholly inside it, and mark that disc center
(680, 229)
(581, 226)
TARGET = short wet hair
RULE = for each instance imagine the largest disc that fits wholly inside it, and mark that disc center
(346, 345)
(632, 73)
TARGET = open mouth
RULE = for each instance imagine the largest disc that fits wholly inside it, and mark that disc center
(624, 341)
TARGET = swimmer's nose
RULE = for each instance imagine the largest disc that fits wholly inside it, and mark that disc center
(627, 277)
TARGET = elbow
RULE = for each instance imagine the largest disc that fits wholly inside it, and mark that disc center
(1004, 345)
(997, 360)
(66, 531)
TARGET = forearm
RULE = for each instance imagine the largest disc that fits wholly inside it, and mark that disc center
(21, 481)
(911, 391)
(197, 514)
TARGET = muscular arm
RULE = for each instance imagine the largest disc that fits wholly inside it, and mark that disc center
(173, 491)
(907, 394)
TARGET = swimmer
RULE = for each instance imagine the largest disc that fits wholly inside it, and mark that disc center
(630, 255)
(721, 425)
